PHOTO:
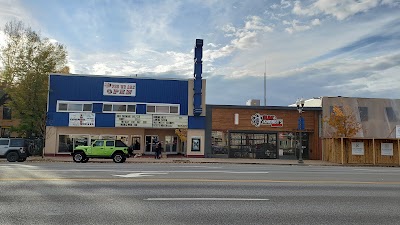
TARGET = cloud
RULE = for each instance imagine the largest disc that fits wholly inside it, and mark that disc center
(246, 37)
(143, 62)
(212, 45)
(338, 8)
(316, 22)
(295, 26)
(384, 38)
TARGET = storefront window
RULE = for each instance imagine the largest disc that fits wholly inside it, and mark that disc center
(253, 145)
(66, 143)
(219, 142)
(123, 138)
(108, 137)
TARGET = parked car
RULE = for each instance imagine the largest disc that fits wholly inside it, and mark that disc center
(14, 149)
(105, 149)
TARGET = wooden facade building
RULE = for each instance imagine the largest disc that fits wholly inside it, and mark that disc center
(269, 132)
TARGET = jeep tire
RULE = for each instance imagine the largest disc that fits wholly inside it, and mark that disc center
(78, 157)
(119, 158)
(12, 156)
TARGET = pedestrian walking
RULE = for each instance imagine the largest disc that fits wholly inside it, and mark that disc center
(158, 150)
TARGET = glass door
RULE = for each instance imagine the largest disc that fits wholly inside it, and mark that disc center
(151, 142)
(136, 142)
(171, 144)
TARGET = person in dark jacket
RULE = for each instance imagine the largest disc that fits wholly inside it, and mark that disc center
(158, 150)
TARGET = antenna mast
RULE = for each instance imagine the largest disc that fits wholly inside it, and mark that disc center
(265, 84)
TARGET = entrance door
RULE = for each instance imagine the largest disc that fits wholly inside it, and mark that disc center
(151, 142)
(136, 142)
(305, 145)
(171, 144)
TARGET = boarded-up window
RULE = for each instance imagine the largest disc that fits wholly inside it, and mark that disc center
(363, 113)
(391, 114)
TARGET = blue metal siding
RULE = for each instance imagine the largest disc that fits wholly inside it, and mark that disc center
(90, 89)
(140, 109)
(197, 122)
(57, 119)
(105, 120)
(97, 108)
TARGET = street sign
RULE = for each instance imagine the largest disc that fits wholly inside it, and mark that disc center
(300, 123)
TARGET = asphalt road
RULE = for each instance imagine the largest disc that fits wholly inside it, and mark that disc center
(108, 193)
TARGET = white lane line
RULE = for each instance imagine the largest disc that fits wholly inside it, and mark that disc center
(18, 165)
(139, 175)
(207, 199)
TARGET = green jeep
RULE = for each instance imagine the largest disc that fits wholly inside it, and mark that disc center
(104, 149)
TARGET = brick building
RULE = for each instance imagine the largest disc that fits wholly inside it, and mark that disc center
(269, 132)
(6, 122)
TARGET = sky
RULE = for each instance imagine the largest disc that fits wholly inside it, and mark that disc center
(307, 48)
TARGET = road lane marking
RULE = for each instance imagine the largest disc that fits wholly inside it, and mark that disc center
(199, 180)
(18, 165)
(207, 199)
(129, 175)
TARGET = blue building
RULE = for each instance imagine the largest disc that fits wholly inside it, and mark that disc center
(139, 111)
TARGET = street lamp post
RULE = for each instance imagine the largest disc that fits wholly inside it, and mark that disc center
(300, 105)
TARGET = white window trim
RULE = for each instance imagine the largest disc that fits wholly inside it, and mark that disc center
(119, 103)
(163, 104)
(73, 102)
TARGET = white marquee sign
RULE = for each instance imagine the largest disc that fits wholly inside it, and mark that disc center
(133, 120)
(170, 121)
(82, 119)
(119, 89)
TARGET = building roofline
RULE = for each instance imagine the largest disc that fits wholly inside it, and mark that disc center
(263, 107)
(117, 76)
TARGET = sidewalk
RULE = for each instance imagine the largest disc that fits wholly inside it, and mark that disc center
(191, 160)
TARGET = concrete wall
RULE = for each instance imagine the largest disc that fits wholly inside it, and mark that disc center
(192, 133)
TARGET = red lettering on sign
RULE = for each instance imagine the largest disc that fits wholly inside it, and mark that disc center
(269, 117)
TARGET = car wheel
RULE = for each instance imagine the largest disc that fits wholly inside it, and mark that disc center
(85, 160)
(12, 156)
(78, 157)
(119, 158)
(21, 159)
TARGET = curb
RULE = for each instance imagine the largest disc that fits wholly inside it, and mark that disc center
(179, 161)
